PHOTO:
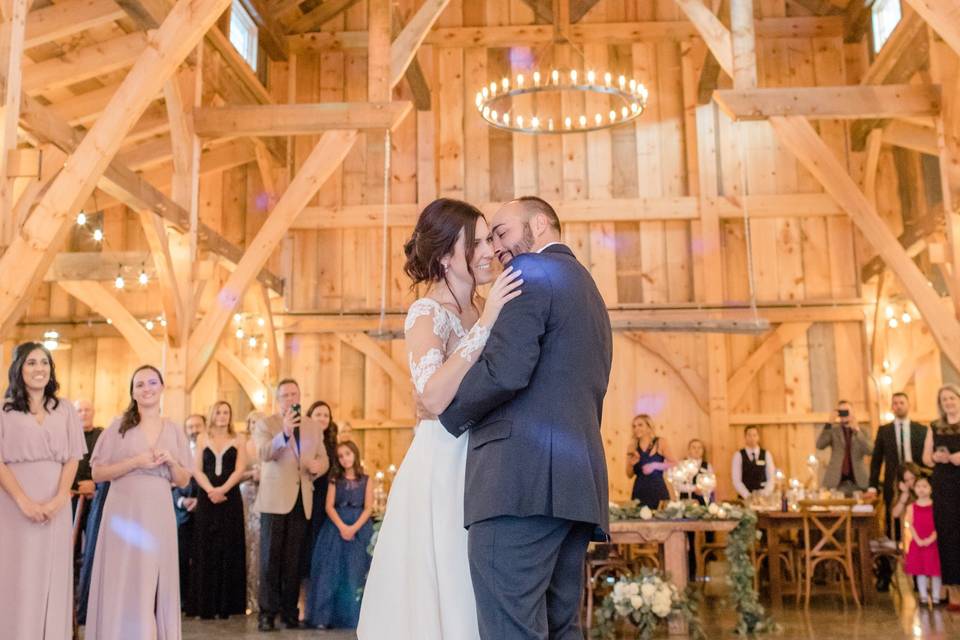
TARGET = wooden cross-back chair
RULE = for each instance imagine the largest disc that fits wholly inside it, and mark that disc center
(832, 521)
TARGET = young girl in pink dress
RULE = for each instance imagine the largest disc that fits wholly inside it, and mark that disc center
(923, 558)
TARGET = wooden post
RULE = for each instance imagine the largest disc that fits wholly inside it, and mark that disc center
(11, 56)
(744, 44)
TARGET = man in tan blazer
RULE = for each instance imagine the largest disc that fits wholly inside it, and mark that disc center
(292, 456)
(849, 444)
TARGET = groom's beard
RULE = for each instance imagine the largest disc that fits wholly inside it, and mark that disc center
(525, 245)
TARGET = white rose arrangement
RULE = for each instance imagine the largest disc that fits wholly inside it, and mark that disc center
(645, 601)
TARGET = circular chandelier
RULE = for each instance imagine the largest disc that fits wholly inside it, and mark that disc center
(626, 100)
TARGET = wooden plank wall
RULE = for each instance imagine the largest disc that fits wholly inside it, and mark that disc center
(450, 152)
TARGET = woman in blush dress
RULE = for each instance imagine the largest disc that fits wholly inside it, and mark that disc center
(41, 443)
(135, 587)
(219, 572)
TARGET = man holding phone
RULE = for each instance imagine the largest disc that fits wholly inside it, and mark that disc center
(292, 456)
(848, 445)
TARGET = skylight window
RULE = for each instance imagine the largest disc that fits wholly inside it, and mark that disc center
(885, 17)
(243, 34)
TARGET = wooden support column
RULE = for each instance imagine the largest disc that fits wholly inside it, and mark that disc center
(12, 31)
(744, 44)
(943, 16)
(712, 31)
(322, 161)
(32, 251)
(799, 136)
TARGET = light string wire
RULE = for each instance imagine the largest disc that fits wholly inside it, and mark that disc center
(385, 229)
(751, 280)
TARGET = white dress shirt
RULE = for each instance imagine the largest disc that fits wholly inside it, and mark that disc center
(901, 430)
(549, 244)
(737, 471)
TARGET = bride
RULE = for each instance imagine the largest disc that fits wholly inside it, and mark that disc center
(419, 583)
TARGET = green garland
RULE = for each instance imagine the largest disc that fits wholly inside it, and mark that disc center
(751, 615)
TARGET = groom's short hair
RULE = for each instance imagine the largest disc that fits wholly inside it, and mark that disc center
(534, 205)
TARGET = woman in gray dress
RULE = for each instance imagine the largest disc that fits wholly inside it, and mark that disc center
(135, 588)
(41, 442)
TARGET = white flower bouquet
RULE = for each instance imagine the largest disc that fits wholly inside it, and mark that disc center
(645, 602)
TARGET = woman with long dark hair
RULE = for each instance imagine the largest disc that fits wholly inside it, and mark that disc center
(135, 587)
(422, 544)
(218, 576)
(322, 413)
(41, 443)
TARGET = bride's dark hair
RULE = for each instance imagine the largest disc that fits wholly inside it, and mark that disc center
(435, 236)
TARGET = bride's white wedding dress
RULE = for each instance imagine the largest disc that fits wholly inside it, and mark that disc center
(419, 584)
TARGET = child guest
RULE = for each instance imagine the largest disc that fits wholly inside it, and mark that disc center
(923, 557)
(340, 559)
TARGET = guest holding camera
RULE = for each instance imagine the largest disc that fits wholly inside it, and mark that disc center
(848, 445)
(292, 455)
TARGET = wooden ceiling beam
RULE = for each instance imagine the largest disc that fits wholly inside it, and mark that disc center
(773, 343)
(316, 17)
(580, 8)
(798, 135)
(542, 9)
(714, 33)
(818, 7)
(297, 119)
(326, 156)
(67, 18)
(85, 63)
(826, 103)
(272, 34)
(99, 266)
(857, 19)
(414, 74)
(12, 29)
(910, 136)
(943, 16)
(404, 47)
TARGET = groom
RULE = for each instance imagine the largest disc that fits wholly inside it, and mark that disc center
(536, 478)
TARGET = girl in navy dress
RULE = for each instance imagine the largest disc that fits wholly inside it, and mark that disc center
(340, 559)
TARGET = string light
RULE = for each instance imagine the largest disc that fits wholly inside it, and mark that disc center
(266, 362)
(149, 325)
(239, 334)
(887, 380)
(893, 324)
(237, 318)
(259, 397)
(906, 318)
(98, 235)
(119, 282)
(109, 320)
(51, 340)
(81, 219)
(889, 311)
(252, 341)
(888, 416)
(143, 279)
(261, 322)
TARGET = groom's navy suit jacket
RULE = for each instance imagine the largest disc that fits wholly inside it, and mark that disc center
(533, 400)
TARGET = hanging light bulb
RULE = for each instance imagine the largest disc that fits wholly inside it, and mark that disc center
(259, 397)
(81, 218)
(887, 380)
(886, 365)
(607, 78)
(143, 279)
(237, 318)
(51, 340)
(535, 122)
(266, 362)
(591, 76)
(261, 322)
(906, 318)
(252, 341)
(109, 320)
(239, 334)
(573, 77)
(98, 235)
(163, 322)
(119, 283)
(888, 416)
(536, 78)
(889, 311)
(893, 324)
(149, 325)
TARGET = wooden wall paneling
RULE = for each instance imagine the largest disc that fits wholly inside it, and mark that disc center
(522, 59)
(574, 144)
(450, 87)
(650, 170)
(400, 409)
(476, 131)
(622, 402)
(549, 149)
(352, 378)
(377, 394)
(83, 372)
(624, 182)
(234, 204)
(115, 362)
(500, 142)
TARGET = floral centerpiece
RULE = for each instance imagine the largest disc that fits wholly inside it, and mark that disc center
(751, 615)
(646, 601)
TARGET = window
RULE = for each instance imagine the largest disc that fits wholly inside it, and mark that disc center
(243, 34)
(885, 16)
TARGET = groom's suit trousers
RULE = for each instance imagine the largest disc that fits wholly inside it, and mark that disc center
(528, 576)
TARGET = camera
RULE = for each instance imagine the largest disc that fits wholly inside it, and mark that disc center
(843, 413)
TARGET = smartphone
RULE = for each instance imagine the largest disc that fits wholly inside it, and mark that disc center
(296, 409)
(843, 413)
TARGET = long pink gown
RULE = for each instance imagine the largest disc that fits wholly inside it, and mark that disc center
(135, 584)
(36, 560)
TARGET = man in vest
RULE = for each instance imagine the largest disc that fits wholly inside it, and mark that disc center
(752, 466)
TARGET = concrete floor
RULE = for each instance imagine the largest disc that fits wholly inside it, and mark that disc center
(827, 619)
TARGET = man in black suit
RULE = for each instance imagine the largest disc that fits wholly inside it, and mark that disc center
(898, 443)
(536, 477)
(184, 503)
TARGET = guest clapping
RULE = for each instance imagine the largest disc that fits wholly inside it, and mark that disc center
(41, 442)
(135, 590)
(647, 458)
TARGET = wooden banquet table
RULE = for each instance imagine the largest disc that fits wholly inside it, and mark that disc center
(671, 534)
(773, 522)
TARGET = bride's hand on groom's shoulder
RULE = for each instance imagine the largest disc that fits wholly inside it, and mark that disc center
(504, 289)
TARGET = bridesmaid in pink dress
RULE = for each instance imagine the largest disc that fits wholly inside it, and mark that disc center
(41, 442)
(135, 586)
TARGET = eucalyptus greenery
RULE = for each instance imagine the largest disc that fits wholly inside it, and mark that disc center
(751, 615)
(645, 602)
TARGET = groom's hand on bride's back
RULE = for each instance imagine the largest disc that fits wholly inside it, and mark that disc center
(422, 412)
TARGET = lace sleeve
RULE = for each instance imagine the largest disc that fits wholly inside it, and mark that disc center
(426, 331)
(473, 343)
